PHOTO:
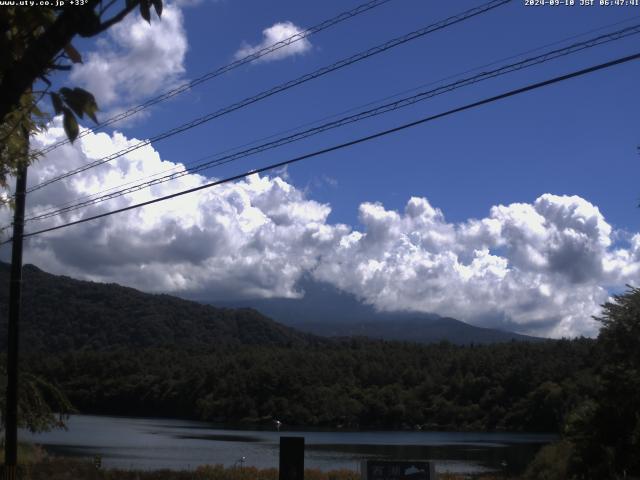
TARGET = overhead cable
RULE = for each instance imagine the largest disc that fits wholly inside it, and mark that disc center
(351, 143)
(343, 112)
(221, 70)
(379, 110)
(283, 87)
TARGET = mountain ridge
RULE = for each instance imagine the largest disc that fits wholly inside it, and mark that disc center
(324, 310)
(61, 313)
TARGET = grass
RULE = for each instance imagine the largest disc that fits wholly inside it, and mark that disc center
(58, 468)
(27, 453)
(35, 464)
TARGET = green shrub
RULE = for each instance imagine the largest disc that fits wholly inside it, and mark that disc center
(551, 462)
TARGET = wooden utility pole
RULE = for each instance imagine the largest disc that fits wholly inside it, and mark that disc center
(15, 292)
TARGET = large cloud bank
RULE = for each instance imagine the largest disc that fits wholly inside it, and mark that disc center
(542, 267)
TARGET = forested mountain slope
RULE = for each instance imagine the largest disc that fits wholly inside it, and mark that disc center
(62, 314)
(116, 350)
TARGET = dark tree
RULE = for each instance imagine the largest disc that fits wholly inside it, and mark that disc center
(36, 42)
(620, 396)
(605, 430)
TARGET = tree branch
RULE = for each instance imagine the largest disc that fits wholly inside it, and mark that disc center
(37, 57)
(104, 8)
(65, 68)
(116, 18)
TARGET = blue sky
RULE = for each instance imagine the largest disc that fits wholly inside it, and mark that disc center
(574, 138)
(520, 214)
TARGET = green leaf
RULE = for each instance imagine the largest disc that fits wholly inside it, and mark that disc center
(72, 53)
(87, 102)
(83, 95)
(57, 103)
(65, 91)
(91, 111)
(73, 101)
(145, 10)
(70, 124)
(81, 102)
(90, 24)
(157, 4)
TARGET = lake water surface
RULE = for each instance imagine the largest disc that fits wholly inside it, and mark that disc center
(146, 443)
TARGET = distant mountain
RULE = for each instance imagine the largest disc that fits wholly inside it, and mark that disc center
(325, 310)
(60, 314)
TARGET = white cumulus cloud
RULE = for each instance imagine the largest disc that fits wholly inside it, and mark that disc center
(136, 60)
(250, 238)
(543, 267)
(276, 33)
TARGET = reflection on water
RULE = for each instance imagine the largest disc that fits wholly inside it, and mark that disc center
(219, 437)
(144, 443)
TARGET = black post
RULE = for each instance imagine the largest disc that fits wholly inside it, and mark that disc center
(291, 458)
(15, 287)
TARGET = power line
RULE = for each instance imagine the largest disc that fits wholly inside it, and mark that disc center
(221, 70)
(284, 86)
(395, 105)
(351, 143)
(349, 110)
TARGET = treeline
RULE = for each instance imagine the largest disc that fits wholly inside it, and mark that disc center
(351, 383)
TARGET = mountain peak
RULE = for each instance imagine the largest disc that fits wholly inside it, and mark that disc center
(325, 310)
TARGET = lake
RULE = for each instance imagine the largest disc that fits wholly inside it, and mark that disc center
(151, 443)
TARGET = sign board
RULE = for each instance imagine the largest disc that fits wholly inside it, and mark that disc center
(397, 470)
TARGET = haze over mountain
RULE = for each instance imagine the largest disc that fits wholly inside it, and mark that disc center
(328, 311)
(60, 314)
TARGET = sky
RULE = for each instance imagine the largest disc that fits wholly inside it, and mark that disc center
(521, 214)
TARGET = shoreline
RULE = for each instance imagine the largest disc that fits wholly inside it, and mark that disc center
(153, 443)
(267, 426)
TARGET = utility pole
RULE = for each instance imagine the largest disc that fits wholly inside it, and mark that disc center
(15, 291)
